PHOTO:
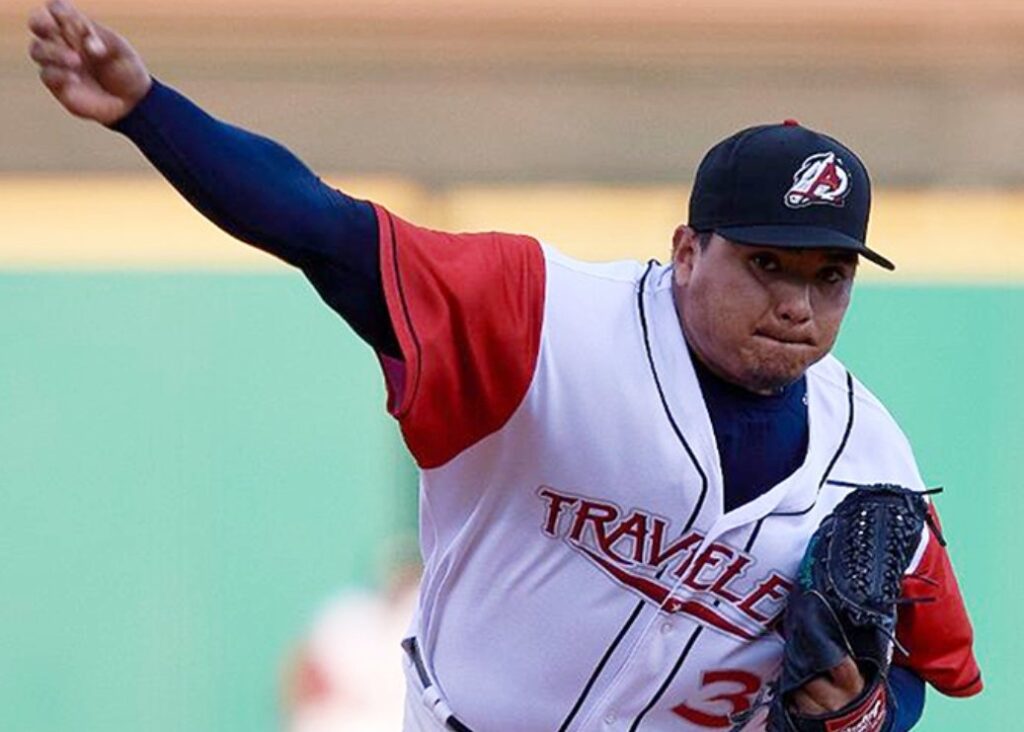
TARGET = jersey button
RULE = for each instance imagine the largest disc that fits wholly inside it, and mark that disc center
(610, 718)
(667, 628)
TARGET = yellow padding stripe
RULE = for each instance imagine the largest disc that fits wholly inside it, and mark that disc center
(117, 222)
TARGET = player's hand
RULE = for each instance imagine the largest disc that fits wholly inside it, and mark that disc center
(92, 71)
(822, 695)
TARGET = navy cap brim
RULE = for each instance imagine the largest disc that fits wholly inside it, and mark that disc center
(801, 237)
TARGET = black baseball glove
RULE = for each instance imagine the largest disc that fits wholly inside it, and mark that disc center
(844, 605)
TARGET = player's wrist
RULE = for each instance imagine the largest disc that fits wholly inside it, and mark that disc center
(139, 105)
(135, 98)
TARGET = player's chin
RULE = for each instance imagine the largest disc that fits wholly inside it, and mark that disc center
(776, 367)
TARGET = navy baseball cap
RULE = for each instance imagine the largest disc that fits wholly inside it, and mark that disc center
(784, 186)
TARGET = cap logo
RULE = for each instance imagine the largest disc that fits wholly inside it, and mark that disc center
(821, 179)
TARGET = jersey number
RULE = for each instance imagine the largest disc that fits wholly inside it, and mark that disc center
(737, 688)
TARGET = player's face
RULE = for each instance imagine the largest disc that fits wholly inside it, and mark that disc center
(760, 316)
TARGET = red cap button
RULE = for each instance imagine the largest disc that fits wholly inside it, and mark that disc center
(791, 122)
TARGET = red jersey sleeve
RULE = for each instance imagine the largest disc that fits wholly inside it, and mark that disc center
(467, 312)
(936, 631)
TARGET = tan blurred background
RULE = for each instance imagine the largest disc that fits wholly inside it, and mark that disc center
(930, 92)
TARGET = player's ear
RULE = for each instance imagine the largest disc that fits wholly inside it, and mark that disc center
(685, 249)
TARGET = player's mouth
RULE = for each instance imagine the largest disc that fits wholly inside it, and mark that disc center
(785, 340)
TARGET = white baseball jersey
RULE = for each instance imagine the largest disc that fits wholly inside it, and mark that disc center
(580, 572)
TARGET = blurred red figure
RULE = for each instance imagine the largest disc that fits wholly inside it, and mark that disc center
(343, 676)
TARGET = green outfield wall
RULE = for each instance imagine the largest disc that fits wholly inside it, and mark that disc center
(190, 463)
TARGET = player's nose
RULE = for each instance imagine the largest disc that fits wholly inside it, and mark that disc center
(793, 302)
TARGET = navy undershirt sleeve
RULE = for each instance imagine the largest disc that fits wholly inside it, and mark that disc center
(259, 192)
(908, 690)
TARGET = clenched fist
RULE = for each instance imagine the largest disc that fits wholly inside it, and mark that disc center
(91, 70)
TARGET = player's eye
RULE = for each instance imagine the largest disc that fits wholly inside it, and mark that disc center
(765, 261)
(832, 275)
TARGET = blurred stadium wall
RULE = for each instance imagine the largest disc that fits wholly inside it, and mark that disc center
(192, 448)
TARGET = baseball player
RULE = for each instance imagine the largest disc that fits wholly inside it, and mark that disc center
(621, 464)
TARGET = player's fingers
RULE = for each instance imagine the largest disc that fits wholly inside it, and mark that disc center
(826, 694)
(806, 703)
(55, 78)
(103, 41)
(42, 24)
(53, 53)
(74, 27)
(847, 677)
(78, 30)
